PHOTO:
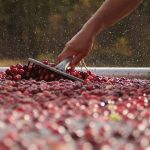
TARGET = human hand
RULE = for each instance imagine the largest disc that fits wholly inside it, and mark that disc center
(77, 48)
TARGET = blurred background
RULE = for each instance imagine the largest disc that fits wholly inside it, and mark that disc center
(40, 28)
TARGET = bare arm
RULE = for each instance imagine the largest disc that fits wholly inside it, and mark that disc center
(110, 12)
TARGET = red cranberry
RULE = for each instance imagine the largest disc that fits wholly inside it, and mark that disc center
(14, 70)
(9, 77)
(21, 71)
(19, 66)
(45, 61)
(46, 77)
(90, 77)
(8, 72)
(92, 113)
(12, 66)
(17, 77)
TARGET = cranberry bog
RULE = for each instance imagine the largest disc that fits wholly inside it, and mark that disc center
(110, 110)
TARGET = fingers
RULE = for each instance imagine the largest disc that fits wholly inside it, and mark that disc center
(77, 52)
(67, 51)
(76, 60)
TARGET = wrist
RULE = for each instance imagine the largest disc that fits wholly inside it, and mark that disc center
(93, 26)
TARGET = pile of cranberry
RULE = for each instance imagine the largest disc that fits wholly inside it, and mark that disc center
(41, 112)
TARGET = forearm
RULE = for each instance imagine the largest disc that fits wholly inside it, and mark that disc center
(110, 12)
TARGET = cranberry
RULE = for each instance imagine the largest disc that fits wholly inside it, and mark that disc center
(100, 113)
(9, 77)
(17, 77)
(8, 72)
(90, 77)
(52, 76)
(46, 77)
(14, 70)
(12, 66)
(51, 64)
(45, 61)
(21, 71)
(86, 80)
(19, 66)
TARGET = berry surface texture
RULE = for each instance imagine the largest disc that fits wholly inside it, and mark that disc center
(40, 110)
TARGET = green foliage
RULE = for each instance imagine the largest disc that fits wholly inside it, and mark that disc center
(40, 28)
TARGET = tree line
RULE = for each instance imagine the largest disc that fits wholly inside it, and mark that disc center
(40, 28)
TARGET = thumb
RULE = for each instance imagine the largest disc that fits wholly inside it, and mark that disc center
(64, 54)
(76, 60)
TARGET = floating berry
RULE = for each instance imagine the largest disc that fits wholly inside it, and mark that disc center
(17, 77)
(21, 71)
(19, 66)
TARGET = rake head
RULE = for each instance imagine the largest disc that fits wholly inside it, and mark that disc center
(53, 70)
